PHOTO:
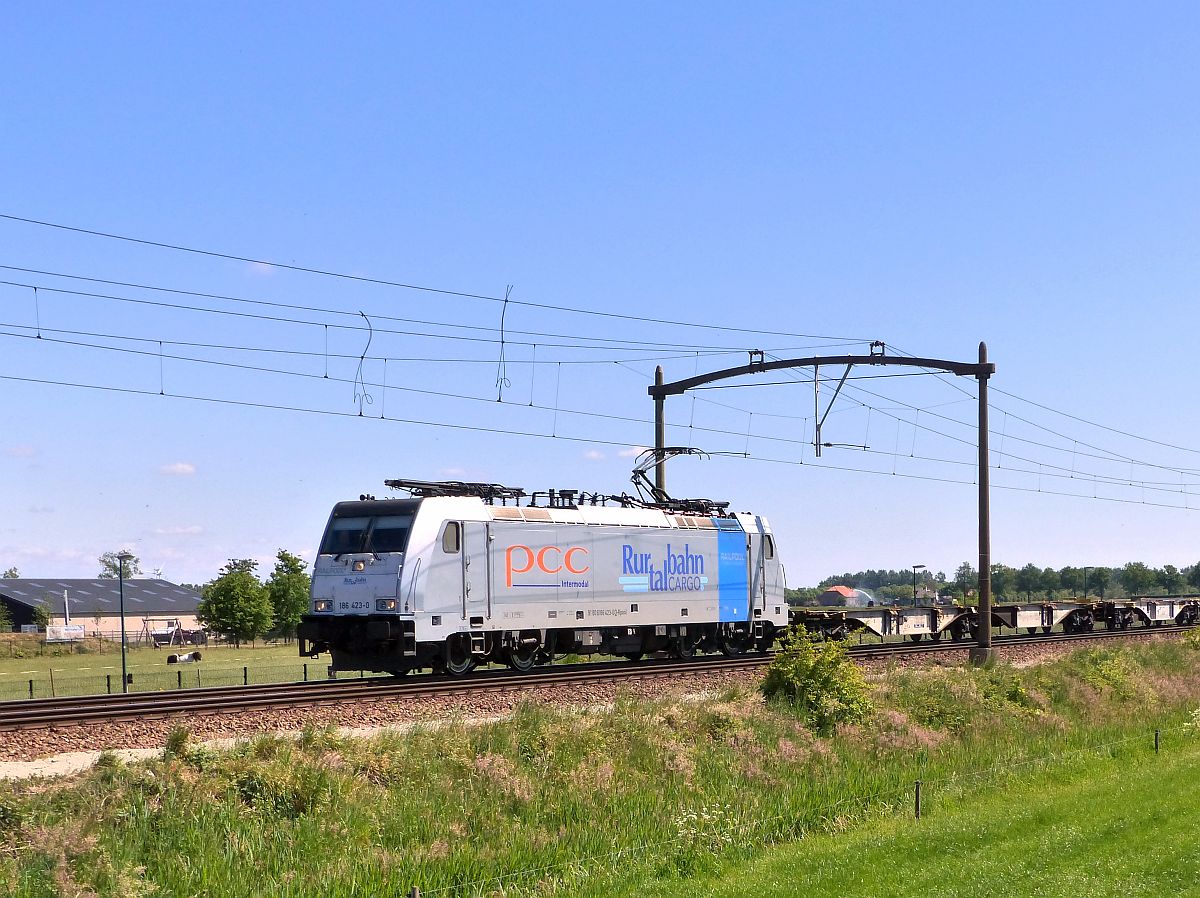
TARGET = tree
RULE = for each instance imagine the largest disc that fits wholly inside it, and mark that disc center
(966, 578)
(1193, 575)
(1171, 579)
(1050, 582)
(110, 566)
(1098, 579)
(1028, 580)
(41, 616)
(5, 619)
(1137, 578)
(1071, 578)
(1003, 579)
(12, 574)
(236, 604)
(289, 591)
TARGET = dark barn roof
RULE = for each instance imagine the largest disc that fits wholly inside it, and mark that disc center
(91, 597)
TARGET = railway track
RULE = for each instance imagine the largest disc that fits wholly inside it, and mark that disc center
(77, 710)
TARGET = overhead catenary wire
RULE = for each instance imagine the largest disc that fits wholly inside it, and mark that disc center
(602, 441)
(407, 286)
(586, 341)
(1107, 455)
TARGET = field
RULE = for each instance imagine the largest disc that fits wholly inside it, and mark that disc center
(64, 670)
(659, 794)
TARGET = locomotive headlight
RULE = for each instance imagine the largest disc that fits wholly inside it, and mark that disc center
(322, 605)
(385, 604)
(360, 565)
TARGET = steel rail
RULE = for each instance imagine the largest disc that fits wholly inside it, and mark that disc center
(88, 709)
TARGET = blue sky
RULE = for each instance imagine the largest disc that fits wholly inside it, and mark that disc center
(929, 175)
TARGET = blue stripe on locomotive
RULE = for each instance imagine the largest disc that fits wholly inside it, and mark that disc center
(731, 568)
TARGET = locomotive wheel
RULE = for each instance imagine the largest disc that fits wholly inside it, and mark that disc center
(937, 635)
(522, 658)
(736, 644)
(400, 671)
(459, 661)
(634, 656)
(683, 648)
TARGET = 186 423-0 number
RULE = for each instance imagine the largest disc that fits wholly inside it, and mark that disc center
(354, 606)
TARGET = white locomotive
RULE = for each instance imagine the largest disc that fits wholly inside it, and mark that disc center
(463, 573)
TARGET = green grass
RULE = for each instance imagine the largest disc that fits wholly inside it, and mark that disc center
(606, 801)
(1110, 826)
(87, 673)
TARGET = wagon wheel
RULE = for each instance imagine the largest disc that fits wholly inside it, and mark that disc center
(459, 661)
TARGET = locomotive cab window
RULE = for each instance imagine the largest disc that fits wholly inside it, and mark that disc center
(769, 546)
(360, 533)
(450, 538)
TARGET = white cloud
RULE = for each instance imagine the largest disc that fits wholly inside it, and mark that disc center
(260, 269)
(191, 530)
(41, 509)
(20, 452)
(594, 455)
(632, 451)
(178, 469)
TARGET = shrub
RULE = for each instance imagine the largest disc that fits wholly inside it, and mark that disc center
(819, 680)
(177, 742)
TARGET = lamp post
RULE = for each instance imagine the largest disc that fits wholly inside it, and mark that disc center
(916, 567)
(123, 557)
(1085, 570)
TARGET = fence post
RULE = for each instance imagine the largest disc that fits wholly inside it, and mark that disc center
(306, 672)
(197, 678)
(179, 678)
(1156, 741)
(245, 676)
(108, 683)
(31, 688)
(414, 893)
(917, 800)
(52, 693)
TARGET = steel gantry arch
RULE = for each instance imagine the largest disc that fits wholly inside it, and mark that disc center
(980, 370)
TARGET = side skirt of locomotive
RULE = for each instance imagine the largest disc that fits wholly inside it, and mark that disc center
(386, 644)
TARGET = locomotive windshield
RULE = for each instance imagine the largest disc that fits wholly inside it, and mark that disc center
(367, 533)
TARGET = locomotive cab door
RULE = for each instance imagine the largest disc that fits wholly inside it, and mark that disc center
(756, 560)
(476, 571)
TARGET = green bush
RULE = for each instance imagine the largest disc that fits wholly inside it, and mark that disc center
(819, 680)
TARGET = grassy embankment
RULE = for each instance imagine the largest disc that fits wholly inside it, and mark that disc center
(1117, 825)
(602, 801)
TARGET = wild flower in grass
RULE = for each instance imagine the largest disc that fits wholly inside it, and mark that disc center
(1193, 725)
(705, 828)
